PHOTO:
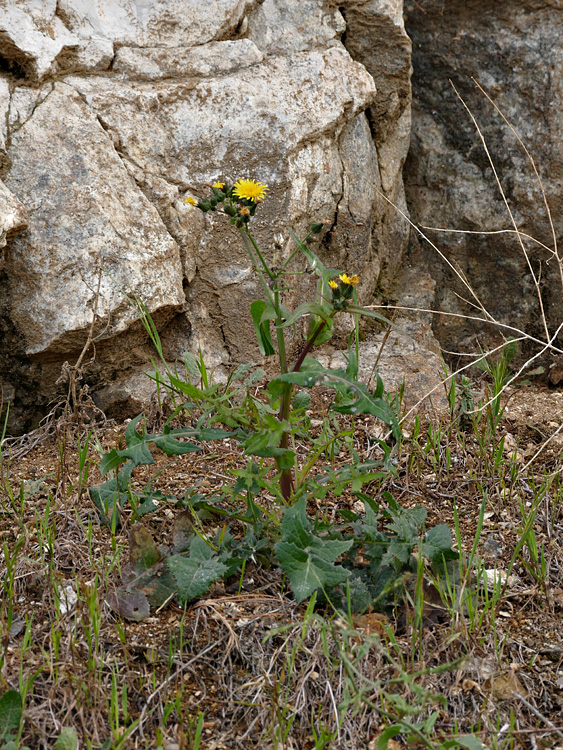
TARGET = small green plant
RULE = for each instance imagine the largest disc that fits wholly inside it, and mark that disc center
(11, 721)
(316, 556)
(499, 372)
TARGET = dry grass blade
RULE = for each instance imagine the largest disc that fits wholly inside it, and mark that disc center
(509, 210)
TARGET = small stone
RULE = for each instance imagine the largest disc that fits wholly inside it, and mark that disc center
(491, 547)
(69, 599)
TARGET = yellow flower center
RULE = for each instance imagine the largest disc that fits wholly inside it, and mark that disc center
(250, 190)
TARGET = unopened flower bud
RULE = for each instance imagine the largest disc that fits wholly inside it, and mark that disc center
(316, 227)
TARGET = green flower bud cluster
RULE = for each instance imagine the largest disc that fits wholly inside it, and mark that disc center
(342, 291)
(239, 201)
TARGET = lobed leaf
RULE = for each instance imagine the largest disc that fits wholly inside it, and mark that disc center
(308, 560)
(195, 574)
(11, 710)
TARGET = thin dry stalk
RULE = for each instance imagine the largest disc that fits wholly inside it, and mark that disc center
(509, 210)
(545, 345)
(555, 249)
(76, 409)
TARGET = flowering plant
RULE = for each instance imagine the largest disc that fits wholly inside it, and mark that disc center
(336, 293)
(316, 555)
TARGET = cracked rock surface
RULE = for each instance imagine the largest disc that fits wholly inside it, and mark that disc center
(514, 49)
(113, 112)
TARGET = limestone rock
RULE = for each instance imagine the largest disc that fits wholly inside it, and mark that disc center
(280, 120)
(376, 37)
(203, 61)
(49, 37)
(32, 37)
(126, 108)
(90, 229)
(280, 27)
(513, 49)
(128, 396)
(13, 216)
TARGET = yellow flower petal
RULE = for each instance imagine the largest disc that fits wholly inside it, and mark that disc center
(333, 284)
(218, 185)
(349, 280)
(250, 190)
(191, 201)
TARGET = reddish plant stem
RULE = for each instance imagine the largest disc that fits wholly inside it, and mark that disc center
(287, 485)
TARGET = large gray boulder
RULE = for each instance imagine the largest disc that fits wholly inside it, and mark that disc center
(117, 111)
(514, 49)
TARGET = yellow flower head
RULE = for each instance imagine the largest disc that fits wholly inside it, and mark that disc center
(191, 202)
(250, 190)
(218, 185)
(349, 280)
(332, 284)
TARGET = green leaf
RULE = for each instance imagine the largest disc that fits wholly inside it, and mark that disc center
(357, 398)
(68, 740)
(358, 310)
(470, 742)
(286, 459)
(308, 560)
(132, 437)
(111, 495)
(397, 550)
(301, 400)
(307, 376)
(110, 461)
(309, 308)
(173, 447)
(326, 333)
(191, 363)
(387, 735)
(241, 371)
(11, 711)
(296, 525)
(407, 523)
(257, 442)
(308, 570)
(366, 403)
(262, 329)
(138, 453)
(195, 574)
(438, 543)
